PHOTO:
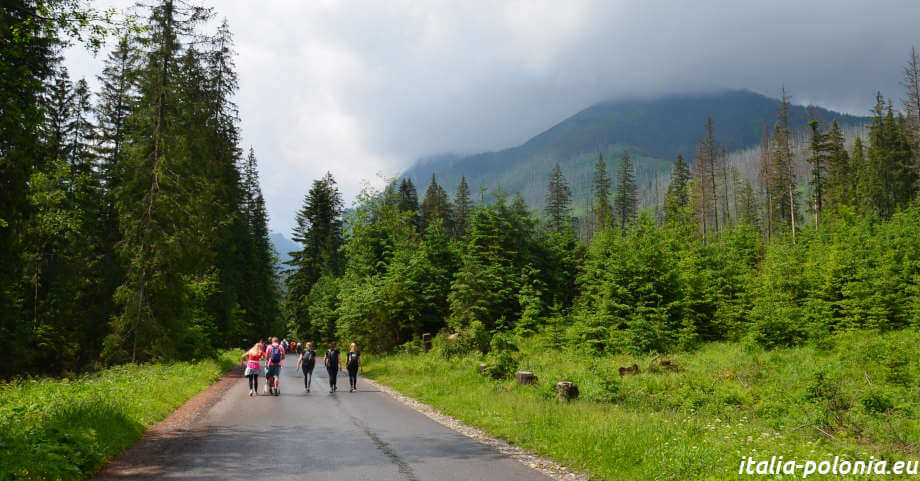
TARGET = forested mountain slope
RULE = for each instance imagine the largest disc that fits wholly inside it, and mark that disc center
(653, 130)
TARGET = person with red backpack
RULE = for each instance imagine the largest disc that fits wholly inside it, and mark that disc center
(275, 356)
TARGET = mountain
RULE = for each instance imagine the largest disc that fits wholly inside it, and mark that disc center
(654, 131)
(282, 245)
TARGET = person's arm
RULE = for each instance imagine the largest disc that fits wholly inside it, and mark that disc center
(299, 360)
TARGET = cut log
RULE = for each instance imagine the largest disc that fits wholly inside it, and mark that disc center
(626, 371)
(567, 390)
(426, 341)
(482, 367)
(525, 378)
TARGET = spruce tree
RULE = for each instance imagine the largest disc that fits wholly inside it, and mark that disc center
(677, 198)
(626, 199)
(408, 201)
(436, 206)
(463, 203)
(818, 159)
(838, 190)
(319, 230)
(558, 199)
(601, 189)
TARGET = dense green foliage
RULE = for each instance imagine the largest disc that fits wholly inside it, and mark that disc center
(66, 428)
(133, 227)
(708, 268)
(693, 416)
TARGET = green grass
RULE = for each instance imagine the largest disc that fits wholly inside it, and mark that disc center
(722, 402)
(63, 429)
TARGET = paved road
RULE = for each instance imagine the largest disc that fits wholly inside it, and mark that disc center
(365, 435)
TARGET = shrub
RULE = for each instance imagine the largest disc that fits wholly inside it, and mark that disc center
(876, 400)
(500, 365)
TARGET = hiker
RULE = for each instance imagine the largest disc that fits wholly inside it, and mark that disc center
(254, 354)
(275, 355)
(306, 362)
(352, 363)
(331, 361)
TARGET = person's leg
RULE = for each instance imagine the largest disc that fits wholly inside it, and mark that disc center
(352, 378)
(331, 374)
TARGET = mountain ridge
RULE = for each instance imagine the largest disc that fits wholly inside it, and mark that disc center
(654, 131)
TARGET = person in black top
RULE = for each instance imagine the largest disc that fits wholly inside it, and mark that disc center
(331, 360)
(306, 362)
(353, 362)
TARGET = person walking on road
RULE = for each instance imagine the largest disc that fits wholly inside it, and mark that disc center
(306, 362)
(253, 367)
(352, 363)
(331, 361)
(275, 355)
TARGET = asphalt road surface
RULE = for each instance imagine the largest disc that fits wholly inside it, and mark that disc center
(366, 435)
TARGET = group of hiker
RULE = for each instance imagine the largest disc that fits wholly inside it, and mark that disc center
(273, 354)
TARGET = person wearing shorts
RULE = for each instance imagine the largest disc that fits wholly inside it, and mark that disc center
(275, 356)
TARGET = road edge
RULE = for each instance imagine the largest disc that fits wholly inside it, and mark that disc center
(544, 465)
(176, 425)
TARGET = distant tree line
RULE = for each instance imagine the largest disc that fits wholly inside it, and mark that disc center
(133, 227)
(779, 261)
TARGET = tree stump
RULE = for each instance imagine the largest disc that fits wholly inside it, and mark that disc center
(567, 390)
(426, 341)
(482, 367)
(626, 371)
(525, 378)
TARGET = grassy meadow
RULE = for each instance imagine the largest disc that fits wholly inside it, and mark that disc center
(854, 395)
(64, 429)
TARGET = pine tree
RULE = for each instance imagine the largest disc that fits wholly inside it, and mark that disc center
(463, 208)
(782, 168)
(168, 276)
(626, 199)
(408, 201)
(677, 199)
(601, 189)
(860, 179)
(436, 206)
(889, 159)
(818, 159)
(558, 199)
(838, 190)
(319, 230)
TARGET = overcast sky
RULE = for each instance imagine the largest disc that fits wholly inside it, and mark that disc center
(362, 89)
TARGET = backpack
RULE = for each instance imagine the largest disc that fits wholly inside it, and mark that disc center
(275, 355)
(352, 359)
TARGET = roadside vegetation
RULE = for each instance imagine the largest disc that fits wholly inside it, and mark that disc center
(64, 429)
(688, 415)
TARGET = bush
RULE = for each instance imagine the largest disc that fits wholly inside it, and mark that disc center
(500, 365)
(876, 400)
(469, 340)
(412, 347)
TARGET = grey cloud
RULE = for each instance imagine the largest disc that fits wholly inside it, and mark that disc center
(361, 88)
